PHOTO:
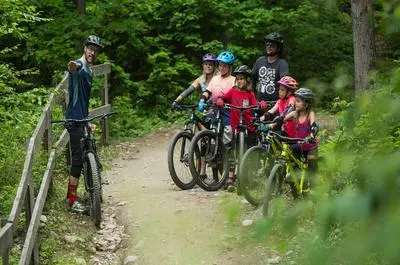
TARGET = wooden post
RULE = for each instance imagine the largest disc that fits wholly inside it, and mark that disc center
(104, 123)
(29, 204)
(5, 258)
(47, 133)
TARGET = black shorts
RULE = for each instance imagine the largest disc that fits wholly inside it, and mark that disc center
(76, 133)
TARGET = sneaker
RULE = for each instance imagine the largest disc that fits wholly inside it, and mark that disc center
(78, 207)
(229, 185)
(230, 188)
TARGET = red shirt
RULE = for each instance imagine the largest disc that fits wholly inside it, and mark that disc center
(289, 126)
(239, 98)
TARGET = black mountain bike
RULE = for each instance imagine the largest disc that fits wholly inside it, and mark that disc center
(91, 165)
(239, 142)
(209, 144)
(178, 148)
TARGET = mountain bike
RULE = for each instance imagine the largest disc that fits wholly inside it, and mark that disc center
(178, 163)
(239, 142)
(288, 176)
(92, 167)
(256, 164)
(210, 145)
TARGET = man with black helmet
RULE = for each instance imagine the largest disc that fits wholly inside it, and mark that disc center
(80, 86)
(269, 69)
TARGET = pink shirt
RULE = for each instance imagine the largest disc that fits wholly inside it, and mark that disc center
(219, 85)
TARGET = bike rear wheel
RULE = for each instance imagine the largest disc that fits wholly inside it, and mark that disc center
(94, 188)
(254, 169)
(273, 189)
(178, 162)
(212, 156)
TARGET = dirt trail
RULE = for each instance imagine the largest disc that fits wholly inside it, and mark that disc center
(166, 225)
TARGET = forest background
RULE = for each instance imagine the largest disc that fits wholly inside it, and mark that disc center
(155, 48)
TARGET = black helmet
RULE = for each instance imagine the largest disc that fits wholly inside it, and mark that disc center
(243, 69)
(305, 94)
(94, 40)
(274, 37)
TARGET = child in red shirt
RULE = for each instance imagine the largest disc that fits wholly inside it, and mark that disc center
(240, 96)
(286, 102)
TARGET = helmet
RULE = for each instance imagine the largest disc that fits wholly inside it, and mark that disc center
(305, 94)
(243, 69)
(94, 40)
(288, 82)
(209, 57)
(274, 37)
(226, 57)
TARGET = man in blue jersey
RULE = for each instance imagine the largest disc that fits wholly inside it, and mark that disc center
(80, 86)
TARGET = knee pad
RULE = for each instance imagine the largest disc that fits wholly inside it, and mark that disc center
(75, 171)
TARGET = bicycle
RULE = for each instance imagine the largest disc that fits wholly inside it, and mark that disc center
(210, 145)
(178, 148)
(92, 167)
(256, 164)
(240, 136)
(288, 169)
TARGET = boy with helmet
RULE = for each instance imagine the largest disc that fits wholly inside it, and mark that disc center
(270, 68)
(306, 127)
(209, 70)
(285, 104)
(79, 89)
(240, 96)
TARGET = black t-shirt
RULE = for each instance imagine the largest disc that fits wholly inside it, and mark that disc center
(265, 76)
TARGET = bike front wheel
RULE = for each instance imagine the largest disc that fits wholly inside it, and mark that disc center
(178, 162)
(273, 189)
(213, 160)
(254, 169)
(94, 188)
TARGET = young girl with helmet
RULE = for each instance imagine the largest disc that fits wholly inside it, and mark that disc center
(306, 126)
(285, 104)
(239, 96)
(269, 68)
(209, 70)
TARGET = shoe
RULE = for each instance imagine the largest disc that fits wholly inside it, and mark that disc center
(78, 207)
(230, 188)
(229, 185)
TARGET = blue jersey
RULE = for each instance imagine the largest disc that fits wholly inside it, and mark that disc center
(80, 86)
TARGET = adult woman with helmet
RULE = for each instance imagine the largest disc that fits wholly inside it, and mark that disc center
(209, 70)
(269, 68)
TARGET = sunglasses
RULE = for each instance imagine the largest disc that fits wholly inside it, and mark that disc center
(270, 44)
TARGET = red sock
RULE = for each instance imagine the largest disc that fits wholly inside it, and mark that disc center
(71, 193)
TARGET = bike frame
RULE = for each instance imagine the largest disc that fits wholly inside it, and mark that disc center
(289, 162)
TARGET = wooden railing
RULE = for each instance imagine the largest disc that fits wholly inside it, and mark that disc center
(24, 197)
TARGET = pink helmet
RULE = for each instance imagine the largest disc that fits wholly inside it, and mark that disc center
(289, 82)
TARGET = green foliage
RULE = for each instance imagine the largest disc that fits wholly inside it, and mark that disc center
(355, 206)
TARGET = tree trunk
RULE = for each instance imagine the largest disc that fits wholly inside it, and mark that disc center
(81, 7)
(363, 39)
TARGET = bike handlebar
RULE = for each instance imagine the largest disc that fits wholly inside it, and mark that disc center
(185, 106)
(288, 139)
(101, 116)
(229, 106)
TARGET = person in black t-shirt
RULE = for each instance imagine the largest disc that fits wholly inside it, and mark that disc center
(269, 68)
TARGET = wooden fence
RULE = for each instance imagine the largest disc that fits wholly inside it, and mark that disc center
(24, 198)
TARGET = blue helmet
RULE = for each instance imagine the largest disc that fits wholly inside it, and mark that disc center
(226, 57)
